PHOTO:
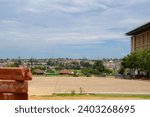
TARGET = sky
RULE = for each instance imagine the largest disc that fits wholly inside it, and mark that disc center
(69, 28)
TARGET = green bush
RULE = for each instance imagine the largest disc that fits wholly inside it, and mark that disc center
(138, 61)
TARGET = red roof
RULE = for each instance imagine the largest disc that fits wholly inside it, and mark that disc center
(66, 72)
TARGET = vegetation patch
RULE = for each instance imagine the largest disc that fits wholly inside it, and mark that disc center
(90, 96)
(137, 64)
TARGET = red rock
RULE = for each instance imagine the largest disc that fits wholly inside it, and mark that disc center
(14, 84)
(13, 87)
(6, 96)
(12, 96)
(15, 73)
(20, 96)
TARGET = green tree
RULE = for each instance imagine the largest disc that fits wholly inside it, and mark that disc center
(15, 64)
(87, 71)
(98, 67)
(76, 74)
(85, 64)
(139, 60)
(75, 65)
(50, 63)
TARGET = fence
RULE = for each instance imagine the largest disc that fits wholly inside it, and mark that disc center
(14, 83)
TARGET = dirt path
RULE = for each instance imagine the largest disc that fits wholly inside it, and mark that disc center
(50, 85)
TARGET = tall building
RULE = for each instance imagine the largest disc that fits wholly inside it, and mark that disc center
(140, 37)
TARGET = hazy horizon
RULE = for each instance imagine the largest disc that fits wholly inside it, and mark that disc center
(59, 58)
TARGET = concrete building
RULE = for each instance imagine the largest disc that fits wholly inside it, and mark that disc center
(140, 37)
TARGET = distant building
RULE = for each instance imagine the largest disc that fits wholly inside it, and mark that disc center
(39, 72)
(140, 37)
(112, 65)
(66, 72)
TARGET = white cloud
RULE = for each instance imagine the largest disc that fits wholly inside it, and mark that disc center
(134, 21)
(52, 22)
(74, 6)
(68, 6)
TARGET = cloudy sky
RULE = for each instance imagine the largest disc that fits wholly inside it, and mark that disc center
(69, 28)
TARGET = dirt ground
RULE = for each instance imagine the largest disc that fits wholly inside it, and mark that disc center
(49, 85)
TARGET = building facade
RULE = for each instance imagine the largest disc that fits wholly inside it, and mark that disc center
(140, 37)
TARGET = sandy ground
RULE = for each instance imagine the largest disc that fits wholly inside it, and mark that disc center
(49, 85)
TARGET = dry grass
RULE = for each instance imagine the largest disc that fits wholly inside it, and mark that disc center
(90, 97)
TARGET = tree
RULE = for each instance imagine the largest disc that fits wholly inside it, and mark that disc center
(139, 60)
(19, 61)
(98, 67)
(145, 64)
(85, 64)
(50, 63)
(15, 64)
(87, 71)
(121, 70)
(75, 65)
(76, 74)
